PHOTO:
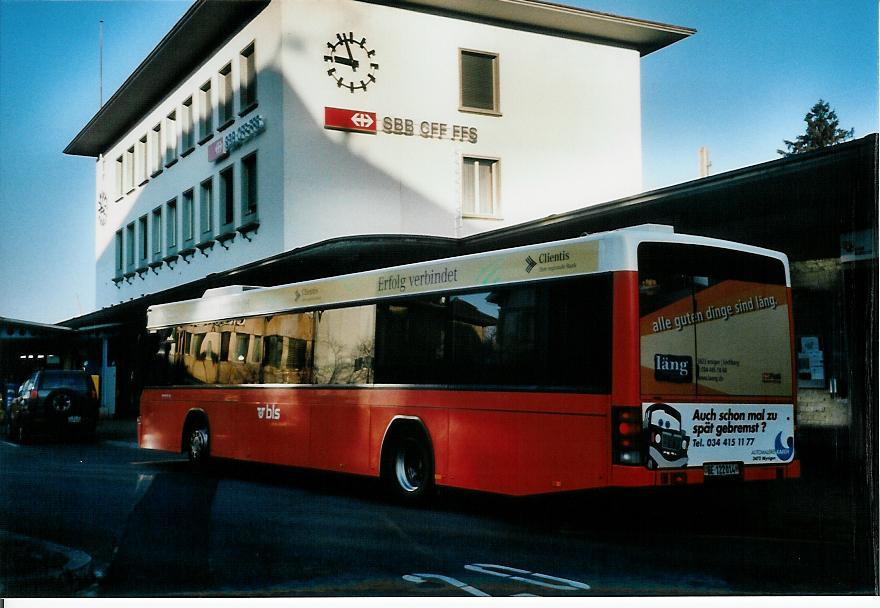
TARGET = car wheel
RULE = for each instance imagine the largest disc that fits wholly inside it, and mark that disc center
(408, 469)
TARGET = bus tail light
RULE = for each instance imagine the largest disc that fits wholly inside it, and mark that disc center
(627, 444)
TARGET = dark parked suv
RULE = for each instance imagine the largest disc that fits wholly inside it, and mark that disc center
(54, 400)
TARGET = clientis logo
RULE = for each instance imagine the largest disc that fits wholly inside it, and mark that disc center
(673, 368)
(547, 258)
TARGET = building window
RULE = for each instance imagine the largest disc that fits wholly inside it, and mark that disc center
(120, 188)
(171, 139)
(157, 151)
(156, 234)
(189, 219)
(189, 137)
(227, 200)
(120, 260)
(142, 160)
(206, 117)
(248, 78)
(129, 247)
(171, 226)
(225, 101)
(206, 210)
(479, 82)
(249, 188)
(143, 243)
(479, 187)
(129, 169)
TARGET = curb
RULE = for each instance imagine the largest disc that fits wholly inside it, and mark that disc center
(74, 574)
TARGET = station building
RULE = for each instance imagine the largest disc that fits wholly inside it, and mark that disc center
(260, 127)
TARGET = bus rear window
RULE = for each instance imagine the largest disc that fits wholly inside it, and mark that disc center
(712, 322)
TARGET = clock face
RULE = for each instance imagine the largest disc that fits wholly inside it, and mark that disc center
(352, 64)
(102, 208)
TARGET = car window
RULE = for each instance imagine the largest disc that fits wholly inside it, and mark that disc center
(60, 379)
(24, 388)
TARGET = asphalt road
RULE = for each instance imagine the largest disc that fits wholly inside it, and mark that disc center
(154, 527)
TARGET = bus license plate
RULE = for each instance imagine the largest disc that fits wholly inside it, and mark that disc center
(74, 419)
(722, 469)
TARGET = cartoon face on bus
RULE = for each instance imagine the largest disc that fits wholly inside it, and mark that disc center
(667, 442)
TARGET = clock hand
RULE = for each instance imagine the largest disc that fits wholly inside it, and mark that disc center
(352, 63)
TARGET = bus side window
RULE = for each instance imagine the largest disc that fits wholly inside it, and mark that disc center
(344, 345)
(411, 341)
(240, 366)
(287, 352)
(550, 335)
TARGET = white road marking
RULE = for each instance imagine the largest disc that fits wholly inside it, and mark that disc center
(421, 578)
(507, 572)
(10, 444)
(567, 584)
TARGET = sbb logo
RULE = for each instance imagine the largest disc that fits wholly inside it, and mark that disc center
(268, 412)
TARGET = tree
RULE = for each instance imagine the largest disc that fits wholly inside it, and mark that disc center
(823, 130)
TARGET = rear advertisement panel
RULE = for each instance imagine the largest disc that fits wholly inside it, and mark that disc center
(694, 434)
(731, 338)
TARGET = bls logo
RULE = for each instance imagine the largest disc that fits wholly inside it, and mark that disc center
(268, 412)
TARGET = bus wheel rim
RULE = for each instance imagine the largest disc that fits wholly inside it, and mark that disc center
(409, 468)
(198, 443)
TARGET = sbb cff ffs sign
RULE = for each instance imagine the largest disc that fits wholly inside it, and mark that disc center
(350, 120)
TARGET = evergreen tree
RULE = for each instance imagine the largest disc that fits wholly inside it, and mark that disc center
(823, 130)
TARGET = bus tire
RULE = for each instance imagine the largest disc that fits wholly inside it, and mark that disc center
(197, 439)
(408, 465)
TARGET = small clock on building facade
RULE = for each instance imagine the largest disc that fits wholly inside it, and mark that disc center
(353, 64)
(102, 208)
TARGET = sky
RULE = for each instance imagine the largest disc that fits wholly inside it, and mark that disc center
(739, 87)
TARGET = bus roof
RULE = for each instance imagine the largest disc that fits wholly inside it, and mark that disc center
(611, 251)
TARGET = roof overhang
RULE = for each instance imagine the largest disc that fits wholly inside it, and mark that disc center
(209, 23)
(558, 19)
(11, 329)
(203, 28)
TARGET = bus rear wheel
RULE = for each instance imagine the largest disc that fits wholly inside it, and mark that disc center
(408, 467)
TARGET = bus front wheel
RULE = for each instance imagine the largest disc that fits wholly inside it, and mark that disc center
(408, 467)
(197, 441)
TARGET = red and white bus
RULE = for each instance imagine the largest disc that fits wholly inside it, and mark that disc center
(637, 357)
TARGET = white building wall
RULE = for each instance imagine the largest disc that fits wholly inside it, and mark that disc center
(569, 133)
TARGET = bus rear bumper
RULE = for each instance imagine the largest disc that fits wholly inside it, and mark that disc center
(629, 477)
